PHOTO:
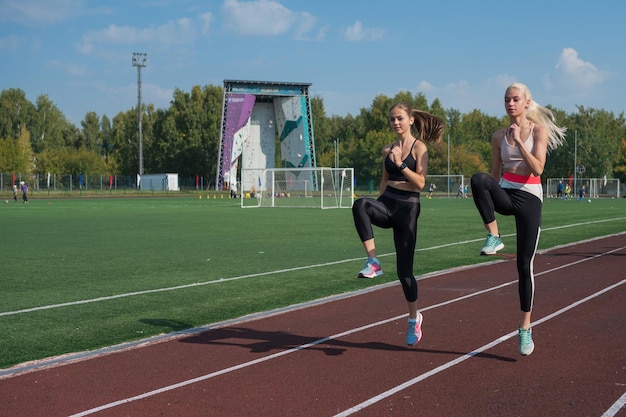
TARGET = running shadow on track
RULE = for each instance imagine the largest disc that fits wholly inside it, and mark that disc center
(483, 355)
(265, 341)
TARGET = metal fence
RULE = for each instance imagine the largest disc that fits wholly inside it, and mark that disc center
(95, 183)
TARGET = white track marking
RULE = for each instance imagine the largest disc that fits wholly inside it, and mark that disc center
(359, 329)
(279, 271)
(618, 405)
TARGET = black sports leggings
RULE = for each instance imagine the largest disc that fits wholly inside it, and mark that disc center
(490, 198)
(398, 210)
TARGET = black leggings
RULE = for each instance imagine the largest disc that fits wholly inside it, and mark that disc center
(490, 198)
(398, 210)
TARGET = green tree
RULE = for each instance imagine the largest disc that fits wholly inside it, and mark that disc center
(9, 156)
(16, 155)
(184, 137)
(16, 112)
(368, 163)
(474, 133)
(322, 131)
(107, 137)
(620, 165)
(83, 162)
(188, 132)
(213, 100)
(89, 137)
(49, 126)
(124, 144)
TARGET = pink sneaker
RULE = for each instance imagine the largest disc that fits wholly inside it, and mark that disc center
(372, 269)
(414, 332)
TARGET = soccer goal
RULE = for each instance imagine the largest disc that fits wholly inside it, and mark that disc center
(445, 185)
(594, 187)
(298, 187)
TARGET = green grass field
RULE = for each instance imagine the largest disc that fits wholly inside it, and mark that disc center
(80, 274)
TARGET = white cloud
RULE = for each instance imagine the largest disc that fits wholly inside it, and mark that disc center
(322, 32)
(425, 86)
(181, 31)
(266, 18)
(205, 22)
(574, 75)
(257, 18)
(158, 95)
(31, 12)
(459, 89)
(357, 33)
(305, 22)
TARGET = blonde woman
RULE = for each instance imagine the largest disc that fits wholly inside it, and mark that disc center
(514, 188)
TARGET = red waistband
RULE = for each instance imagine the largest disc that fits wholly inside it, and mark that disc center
(521, 179)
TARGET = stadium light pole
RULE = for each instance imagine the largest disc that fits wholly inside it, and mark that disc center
(140, 60)
(575, 159)
(336, 153)
(448, 165)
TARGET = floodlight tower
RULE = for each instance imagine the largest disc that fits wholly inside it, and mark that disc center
(140, 59)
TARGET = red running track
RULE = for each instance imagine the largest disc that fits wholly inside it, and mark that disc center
(346, 356)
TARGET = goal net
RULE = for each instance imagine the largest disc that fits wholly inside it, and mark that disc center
(594, 187)
(445, 185)
(298, 187)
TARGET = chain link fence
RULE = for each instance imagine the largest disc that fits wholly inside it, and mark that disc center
(92, 184)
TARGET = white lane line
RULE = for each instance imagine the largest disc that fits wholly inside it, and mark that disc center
(618, 405)
(467, 356)
(356, 330)
(280, 271)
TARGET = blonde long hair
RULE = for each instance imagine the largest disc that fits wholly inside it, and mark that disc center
(543, 116)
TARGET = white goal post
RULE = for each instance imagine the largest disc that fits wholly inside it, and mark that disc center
(445, 185)
(297, 187)
(594, 187)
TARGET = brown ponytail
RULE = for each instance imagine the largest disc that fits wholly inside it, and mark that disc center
(427, 127)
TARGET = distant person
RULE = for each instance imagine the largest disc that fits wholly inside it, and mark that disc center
(431, 189)
(405, 165)
(568, 191)
(581, 193)
(559, 190)
(15, 193)
(459, 192)
(519, 149)
(24, 189)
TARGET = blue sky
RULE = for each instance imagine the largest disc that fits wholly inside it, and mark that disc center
(78, 52)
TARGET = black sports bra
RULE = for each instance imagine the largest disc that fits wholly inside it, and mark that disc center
(395, 173)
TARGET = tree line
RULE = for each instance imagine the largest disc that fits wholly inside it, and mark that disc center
(36, 138)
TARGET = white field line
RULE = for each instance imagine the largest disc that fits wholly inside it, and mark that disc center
(279, 271)
(358, 329)
(79, 356)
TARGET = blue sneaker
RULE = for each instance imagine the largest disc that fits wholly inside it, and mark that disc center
(492, 245)
(414, 332)
(526, 345)
(372, 269)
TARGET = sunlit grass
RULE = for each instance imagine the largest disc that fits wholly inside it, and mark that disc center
(226, 261)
